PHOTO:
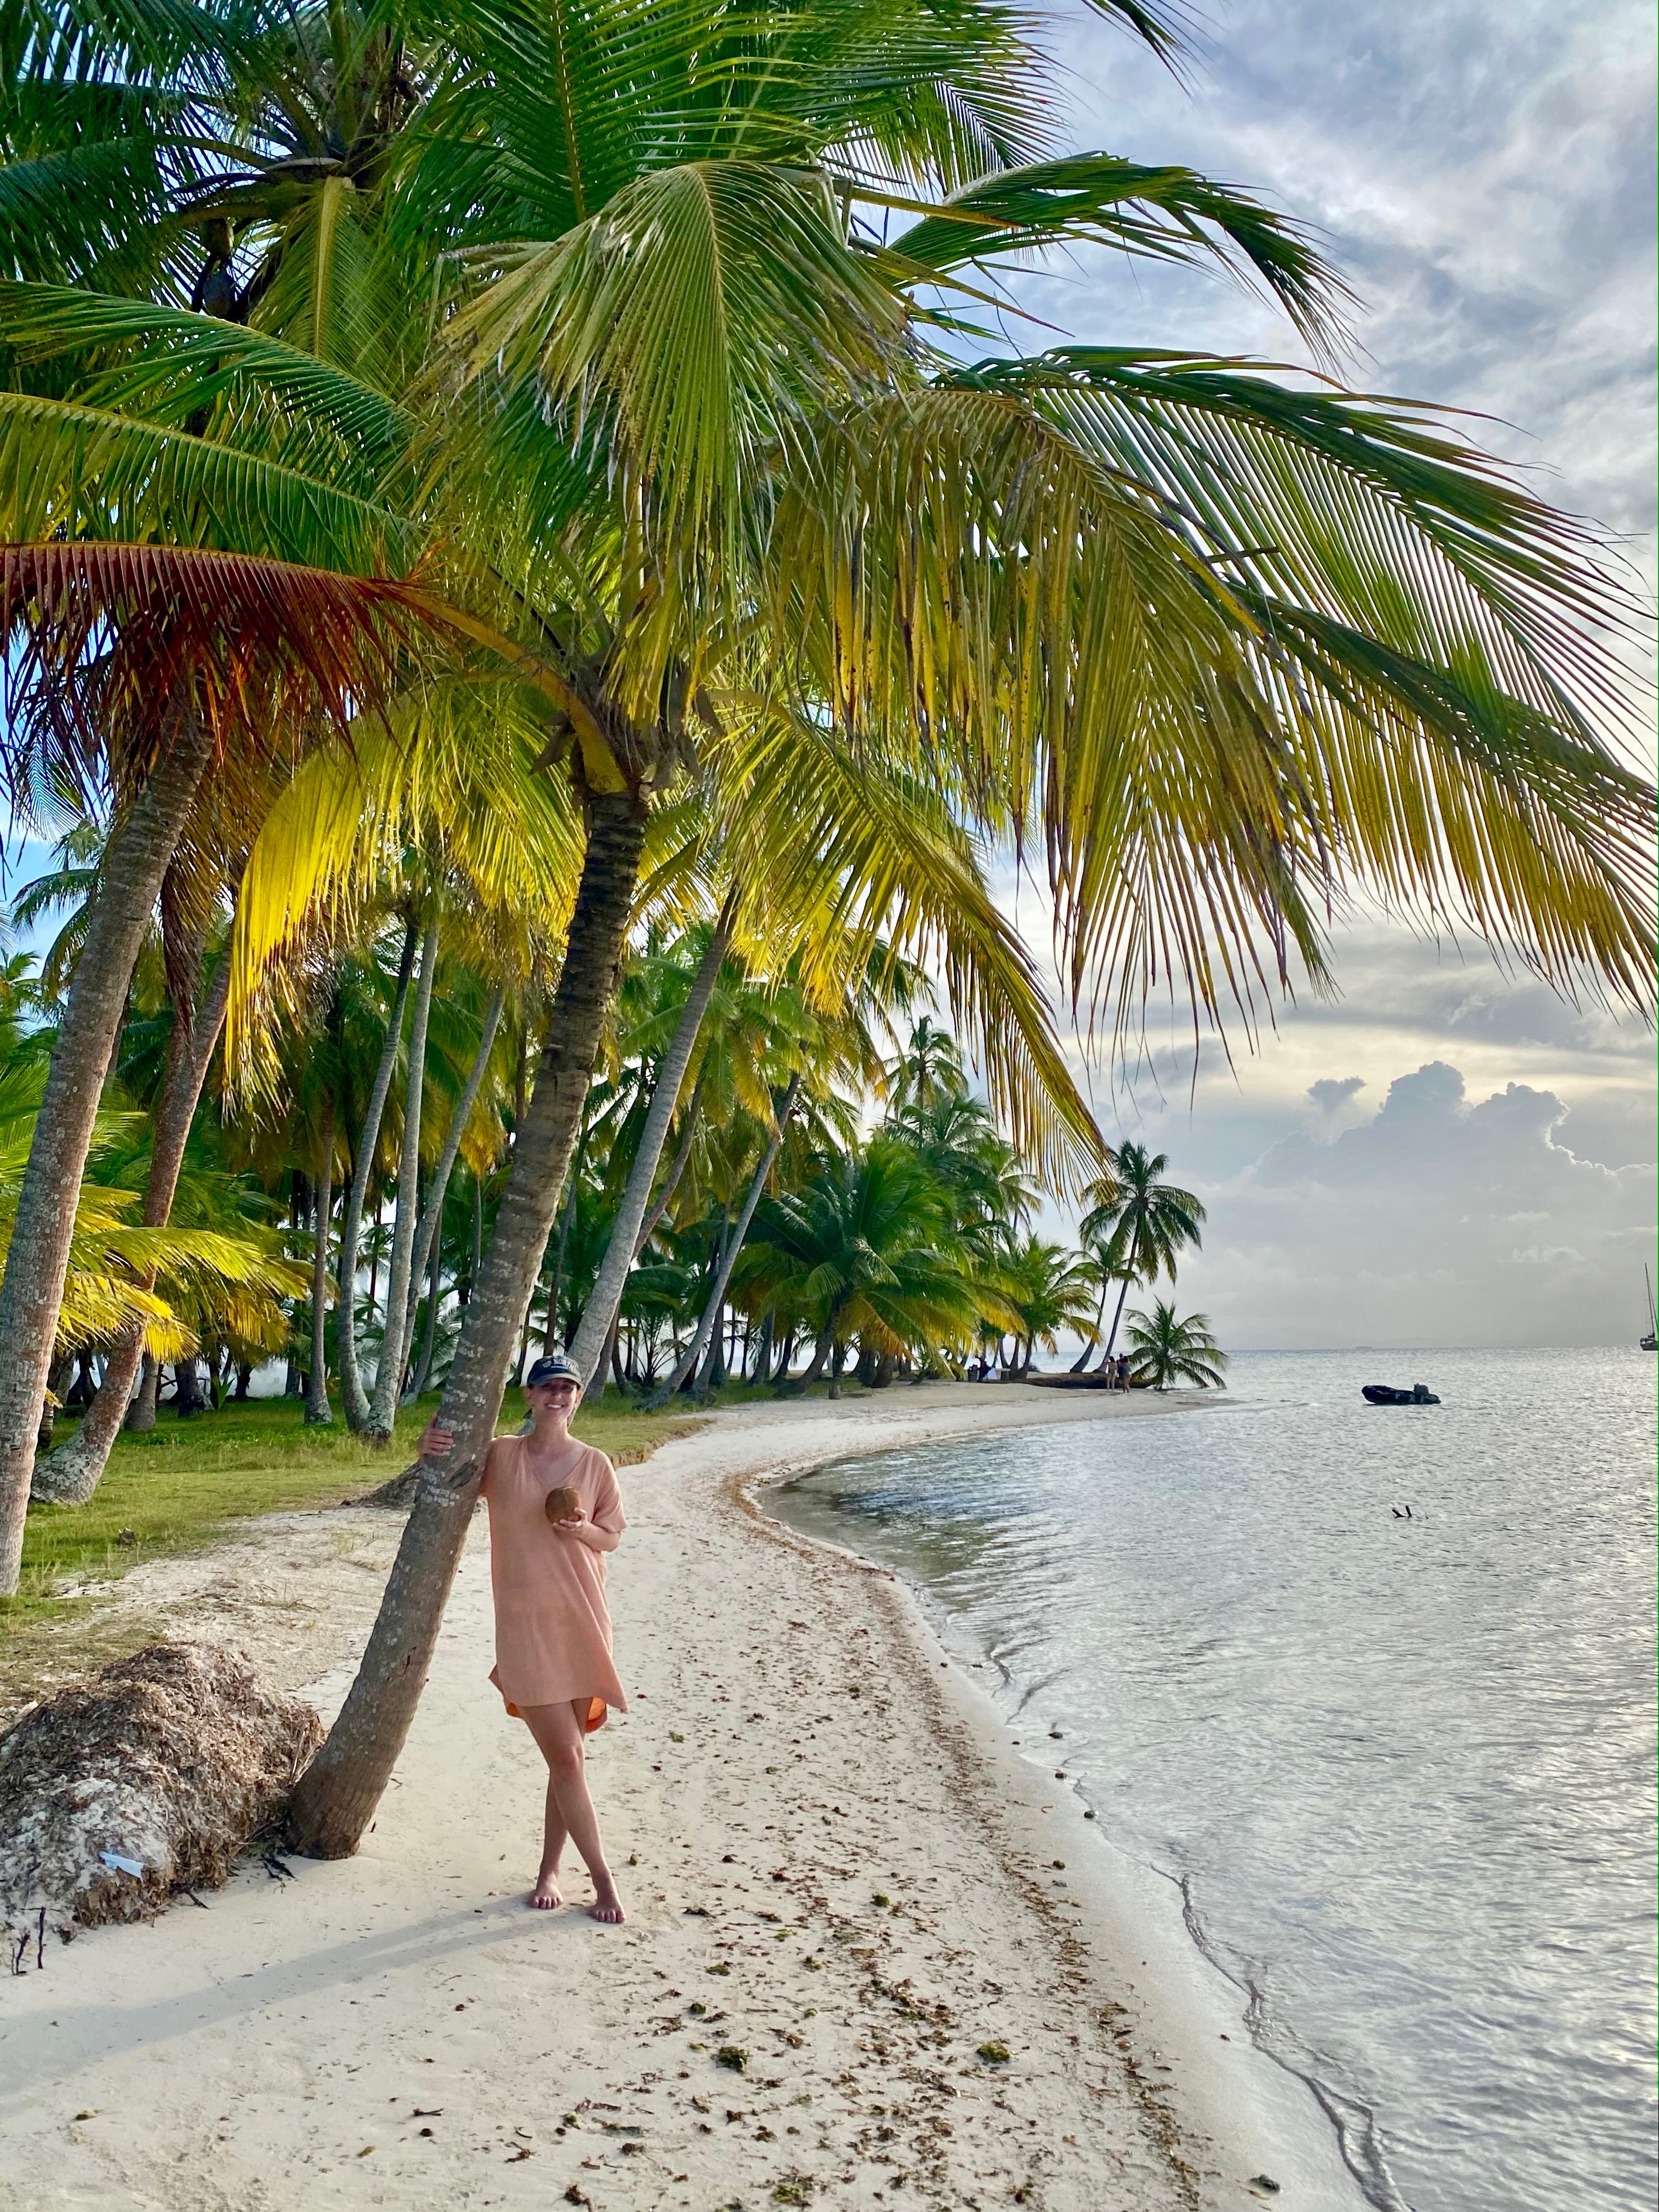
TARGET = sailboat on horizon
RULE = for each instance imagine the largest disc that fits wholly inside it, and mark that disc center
(1650, 1341)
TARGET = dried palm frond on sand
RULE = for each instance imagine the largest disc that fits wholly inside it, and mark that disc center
(167, 1763)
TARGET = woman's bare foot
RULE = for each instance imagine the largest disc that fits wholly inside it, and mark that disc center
(547, 1896)
(607, 1906)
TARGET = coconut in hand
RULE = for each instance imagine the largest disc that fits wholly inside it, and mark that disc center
(562, 1503)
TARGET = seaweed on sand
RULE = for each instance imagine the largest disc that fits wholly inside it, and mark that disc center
(118, 1794)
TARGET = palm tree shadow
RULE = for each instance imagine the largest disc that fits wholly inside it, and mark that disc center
(94, 2030)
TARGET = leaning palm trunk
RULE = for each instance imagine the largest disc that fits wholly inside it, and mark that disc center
(700, 1342)
(354, 1399)
(394, 1337)
(600, 1312)
(338, 1792)
(1124, 1293)
(427, 1237)
(1087, 1352)
(75, 1469)
(676, 1166)
(319, 1413)
(429, 1334)
(32, 1288)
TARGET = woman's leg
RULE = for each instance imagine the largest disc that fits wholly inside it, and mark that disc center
(547, 1894)
(558, 1735)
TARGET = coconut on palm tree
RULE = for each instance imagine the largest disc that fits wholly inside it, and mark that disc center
(1164, 1349)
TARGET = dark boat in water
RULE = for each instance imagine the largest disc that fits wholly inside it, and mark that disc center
(1385, 1393)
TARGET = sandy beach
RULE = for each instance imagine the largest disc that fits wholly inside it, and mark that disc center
(846, 1878)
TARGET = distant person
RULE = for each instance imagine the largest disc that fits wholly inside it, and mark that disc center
(1123, 1371)
(553, 1664)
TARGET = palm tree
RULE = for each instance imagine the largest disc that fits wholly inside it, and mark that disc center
(1203, 632)
(211, 652)
(927, 1073)
(1165, 1350)
(1137, 1227)
(866, 1251)
(1049, 1288)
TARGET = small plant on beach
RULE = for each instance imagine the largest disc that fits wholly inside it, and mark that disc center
(994, 2054)
(732, 2056)
(791, 2188)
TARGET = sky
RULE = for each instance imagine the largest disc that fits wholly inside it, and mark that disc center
(1445, 1155)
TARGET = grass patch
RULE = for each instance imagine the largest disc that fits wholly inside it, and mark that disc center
(173, 1489)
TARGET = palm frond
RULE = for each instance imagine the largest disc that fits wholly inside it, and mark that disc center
(1154, 213)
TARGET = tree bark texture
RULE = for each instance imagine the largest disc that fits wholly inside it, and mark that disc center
(394, 1337)
(319, 1413)
(429, 1236)
(586, 1354)
(142, 1416)
(338, 1792)
(74, 1471)
(32, 1289)
(354, 1399)
(429, 1333)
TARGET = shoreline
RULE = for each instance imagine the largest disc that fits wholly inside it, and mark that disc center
(396, 2029)
(1192, 2003)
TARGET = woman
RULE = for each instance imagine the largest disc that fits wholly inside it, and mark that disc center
(553, 1664)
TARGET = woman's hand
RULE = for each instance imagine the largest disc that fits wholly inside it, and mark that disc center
(572, 1524)
(435, 1442)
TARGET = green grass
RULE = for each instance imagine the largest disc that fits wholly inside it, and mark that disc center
(175, 1488)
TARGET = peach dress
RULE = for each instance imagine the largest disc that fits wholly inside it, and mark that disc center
(552, 1624)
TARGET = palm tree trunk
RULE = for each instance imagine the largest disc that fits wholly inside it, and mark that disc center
(394, 1337)
(429, 1236)
(1083, 1358)
(354, 1399)
(676, 1167)
(74, 1471)
(429, 1334)
(625, 1231)
(820, 1353)
(142, 1416)
(1118, 1315)
(32, 1289)
(319, 1413)
(550, 1320)
(734, 1245)
(338, 1792)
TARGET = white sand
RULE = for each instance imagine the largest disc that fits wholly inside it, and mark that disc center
(798, 1745)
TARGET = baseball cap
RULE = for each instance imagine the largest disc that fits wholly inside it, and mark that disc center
(553, 1367)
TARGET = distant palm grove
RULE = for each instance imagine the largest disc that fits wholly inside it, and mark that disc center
(545, 570)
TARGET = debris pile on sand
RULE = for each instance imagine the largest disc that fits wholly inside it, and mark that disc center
(117, 1794)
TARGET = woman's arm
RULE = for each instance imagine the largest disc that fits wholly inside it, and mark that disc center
(587, 1532)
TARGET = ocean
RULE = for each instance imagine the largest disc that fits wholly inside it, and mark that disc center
(1403, 1767)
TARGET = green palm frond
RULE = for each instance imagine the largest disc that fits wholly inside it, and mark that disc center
(854, 855)
(710, 304)
(1151, 214)
(167, 365)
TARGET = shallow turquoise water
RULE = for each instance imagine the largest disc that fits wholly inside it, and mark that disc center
(1403, 1768)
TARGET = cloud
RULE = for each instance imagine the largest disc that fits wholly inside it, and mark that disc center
(1481, 171)
(1330, 1095)
(1438, 1220)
